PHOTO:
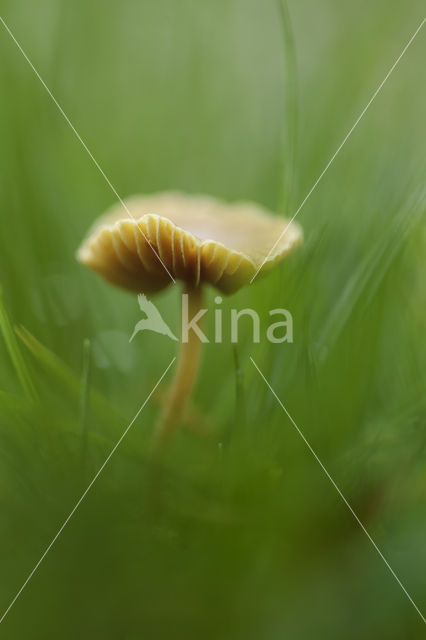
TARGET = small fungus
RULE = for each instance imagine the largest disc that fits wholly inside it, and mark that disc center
(155, 240)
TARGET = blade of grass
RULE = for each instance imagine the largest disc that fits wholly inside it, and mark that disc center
(370, 274)
(84, 397)
(291, 117)
(65, 376)
(240, 400)
(15, 352)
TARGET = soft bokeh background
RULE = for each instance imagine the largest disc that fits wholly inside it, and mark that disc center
(252, 541)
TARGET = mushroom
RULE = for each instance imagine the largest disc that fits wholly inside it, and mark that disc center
(154, 240)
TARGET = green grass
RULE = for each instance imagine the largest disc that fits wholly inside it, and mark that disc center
(252, 540)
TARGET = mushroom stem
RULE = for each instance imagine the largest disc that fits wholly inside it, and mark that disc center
(188, 361)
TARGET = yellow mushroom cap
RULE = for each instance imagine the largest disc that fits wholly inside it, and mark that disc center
(193, 238)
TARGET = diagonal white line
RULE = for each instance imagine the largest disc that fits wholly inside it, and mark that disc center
(327, 166)
(83, 144)
(84, 494)
(339, 492)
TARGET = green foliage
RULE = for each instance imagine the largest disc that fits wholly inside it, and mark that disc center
(15, 352)
(250, 539)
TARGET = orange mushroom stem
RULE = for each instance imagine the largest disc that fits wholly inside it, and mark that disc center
(187, 367)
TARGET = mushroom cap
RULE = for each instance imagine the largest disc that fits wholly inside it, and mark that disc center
(193, 238)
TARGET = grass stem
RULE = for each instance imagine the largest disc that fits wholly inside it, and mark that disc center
(84, 397)
(291, 116)
(15, 353)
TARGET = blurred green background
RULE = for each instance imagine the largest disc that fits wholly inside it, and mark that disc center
(252, 541)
